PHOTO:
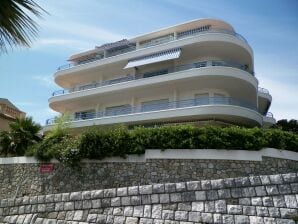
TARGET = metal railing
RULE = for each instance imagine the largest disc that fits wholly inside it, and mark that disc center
(160, 107)
(163, 71)
(185, 35)
(263, 90)
(269, 114)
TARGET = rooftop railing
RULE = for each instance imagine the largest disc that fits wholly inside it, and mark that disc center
(269, 114)
(197, 102)
(183, 35)
(263, 90)
(163, 71)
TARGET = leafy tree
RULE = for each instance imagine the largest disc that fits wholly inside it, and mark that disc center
(17, 28)
(23, 133)
(285, 125)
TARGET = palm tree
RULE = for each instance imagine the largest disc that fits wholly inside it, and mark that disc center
(23, 133)
(17, 28)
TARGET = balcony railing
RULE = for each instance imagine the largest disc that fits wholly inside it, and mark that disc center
(269, 114)
(263, 90)
(160, 107)
(185, 34)
(163, 71)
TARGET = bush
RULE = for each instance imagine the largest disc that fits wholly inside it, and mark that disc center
(99, 144)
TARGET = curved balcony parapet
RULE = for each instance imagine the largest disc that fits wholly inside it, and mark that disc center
(130, 49)
(199, 64)
(160, 107)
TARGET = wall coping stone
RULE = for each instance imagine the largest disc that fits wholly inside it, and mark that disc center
(216, 154)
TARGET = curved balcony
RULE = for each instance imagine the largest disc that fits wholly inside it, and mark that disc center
(163, 71)
(268, 120)
(184, 35)
(172, 106)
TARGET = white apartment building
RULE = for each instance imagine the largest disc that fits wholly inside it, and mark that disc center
(199, 72)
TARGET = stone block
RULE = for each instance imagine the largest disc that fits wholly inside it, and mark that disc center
(146, 189)
(75, 196)
(256, 201)
(122, 191)
(193, 185)
(133, 190)
(131, 220)
(267, 201)
(109, 193)
(155, 198)
(262, 211)
(276, 179)
(96, 194)
(217, 184)
(170, 187)
(194, 217)
(242, 182)
(158, 188)
(272, 190)
(217, 218)
(224, 193)
(256, 220)
(184, 206)
(200, 195)
(135, 200)
(206, 185)
(180, 187)
(119, 220)
(284, 189)
(125, 201)
(255, 180)
(261, 191)
(86, 195)
(248, 192)
(128, 211)
(164, 198)
(207, 217)
(220, 206)
(234, 209)
(168, 214)
(197, 206)
(78, 215)
(212, 195)
(209, 206)
(188, 196)
(279, 201)
(115, 201)
(228, 219)
(181, 216)
(290, 177)
(268, 220)
(96, 203)
(146, 199)
(291, 201)
(138, 211)
(294, 187)
(147, 211)
(287, 213)
(175, 197)
(236, 193)
(249, 210)
(156, 211)
(265, 180)
(241, 219)
(244, 201)
(274, 212)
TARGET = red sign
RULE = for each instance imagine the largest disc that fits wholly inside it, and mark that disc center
(46, 168)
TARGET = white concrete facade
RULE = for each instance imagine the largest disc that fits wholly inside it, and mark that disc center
(196, 71)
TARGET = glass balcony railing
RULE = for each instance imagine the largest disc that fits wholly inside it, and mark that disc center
(163, 71)
(269, 114)
(182, 35)
(160, 107)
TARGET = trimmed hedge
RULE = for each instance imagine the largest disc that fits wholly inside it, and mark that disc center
(99, 144)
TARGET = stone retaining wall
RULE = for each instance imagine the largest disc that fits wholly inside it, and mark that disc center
(21, 179)
(255, 199)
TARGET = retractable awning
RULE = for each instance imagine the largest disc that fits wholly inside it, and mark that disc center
(153, 58)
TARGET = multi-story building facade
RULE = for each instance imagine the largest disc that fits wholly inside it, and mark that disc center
(200, 71)
(8, 113)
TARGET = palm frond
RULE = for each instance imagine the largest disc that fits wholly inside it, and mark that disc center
(17, 28)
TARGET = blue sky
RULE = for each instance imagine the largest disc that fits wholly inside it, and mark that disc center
(270, 26)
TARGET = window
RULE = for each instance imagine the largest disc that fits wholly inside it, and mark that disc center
(155, 105)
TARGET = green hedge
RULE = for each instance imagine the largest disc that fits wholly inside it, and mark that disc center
(99, 144)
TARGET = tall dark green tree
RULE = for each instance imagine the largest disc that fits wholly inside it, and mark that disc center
(17, 28)
(23, 133)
